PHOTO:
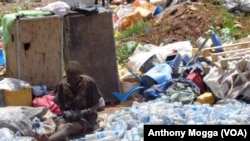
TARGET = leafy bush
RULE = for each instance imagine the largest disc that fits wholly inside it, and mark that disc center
(124, 51)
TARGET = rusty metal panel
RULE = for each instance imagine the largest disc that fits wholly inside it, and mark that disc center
(35, 52)
(90, 40)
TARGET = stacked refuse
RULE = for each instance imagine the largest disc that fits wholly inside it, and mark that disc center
(128, 124)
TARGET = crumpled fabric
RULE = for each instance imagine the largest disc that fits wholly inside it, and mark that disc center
(233, 83)
(19, 118)
(178, 90)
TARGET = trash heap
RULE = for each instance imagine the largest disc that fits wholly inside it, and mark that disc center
(128, 123)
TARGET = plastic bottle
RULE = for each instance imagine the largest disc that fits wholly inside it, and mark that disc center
(39, 90)
(129, 135)
(6, 134)
(100, 135)
(120, 127)
(37, 126)
(108, 138)
(216, 42)
(154, 119)
(144, 117)
(132, 123)
(135, 134)
(141, 129)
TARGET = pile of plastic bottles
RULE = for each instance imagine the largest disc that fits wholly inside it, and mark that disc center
(8, 135)
(127, 124)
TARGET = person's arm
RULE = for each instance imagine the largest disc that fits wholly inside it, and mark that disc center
(94, 98)
(93, 108)
(59, 100)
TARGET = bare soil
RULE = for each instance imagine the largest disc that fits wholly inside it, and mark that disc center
(189, 22)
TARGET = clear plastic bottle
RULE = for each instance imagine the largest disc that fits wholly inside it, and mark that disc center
(144, 116)
(99, 135)
(132, 123)
(120, 128)
(135, 134)
(129, 135)
(141, 129)
(154, 119)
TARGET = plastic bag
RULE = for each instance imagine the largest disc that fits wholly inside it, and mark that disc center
(47, 101)
(12, 84)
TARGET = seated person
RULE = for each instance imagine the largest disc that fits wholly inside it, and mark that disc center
(79, 99)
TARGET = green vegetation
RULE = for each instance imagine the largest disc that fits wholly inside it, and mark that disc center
(229, 26)
(125, 50)
(14, 10)
(132, 30)
(6, 0)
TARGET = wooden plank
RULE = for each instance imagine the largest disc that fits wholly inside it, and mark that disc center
(224, 62)
(90, 41)
(39, 58)
(236, 46)
(226, 53)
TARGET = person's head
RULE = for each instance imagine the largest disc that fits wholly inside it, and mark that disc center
(73, 72)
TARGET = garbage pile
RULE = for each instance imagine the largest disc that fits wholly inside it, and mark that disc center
(180, 83)
(127, 124)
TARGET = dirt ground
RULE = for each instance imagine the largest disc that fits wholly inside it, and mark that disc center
(8, 7)
(178, 23)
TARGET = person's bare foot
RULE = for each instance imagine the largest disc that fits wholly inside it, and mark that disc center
(41, 137)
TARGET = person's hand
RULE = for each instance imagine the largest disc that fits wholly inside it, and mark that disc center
(71, 115)
(67, 114)
(85, 112)
(42, 137)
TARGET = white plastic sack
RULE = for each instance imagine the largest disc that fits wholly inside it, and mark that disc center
(12, 84)
(243, 5)
(212, 80)
(59, 8)
(18, 118)
(143, 53)
(140, 56)
(183, 47)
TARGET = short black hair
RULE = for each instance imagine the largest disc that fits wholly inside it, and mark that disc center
(73, 67)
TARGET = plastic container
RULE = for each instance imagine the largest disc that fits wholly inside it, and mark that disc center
(18, 98)
(216, 42)
(206, 98)
(158, 10)
(200, 40)
(174, 60)
(128, 82)
(185, 59)
(39, 90)
(159, 73)
(2, 60)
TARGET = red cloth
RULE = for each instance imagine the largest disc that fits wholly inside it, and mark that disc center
(47, 101)
(197, 79)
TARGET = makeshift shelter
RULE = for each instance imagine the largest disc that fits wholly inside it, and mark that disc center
(39, 47)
